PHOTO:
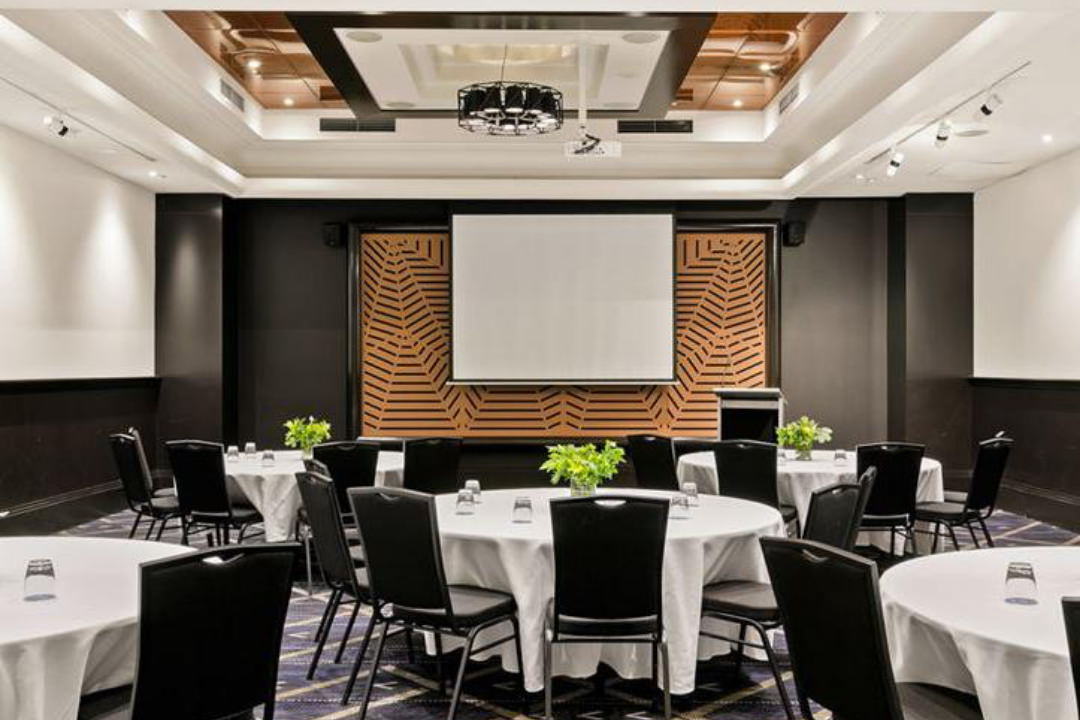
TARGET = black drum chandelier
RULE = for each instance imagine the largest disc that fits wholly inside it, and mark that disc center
(510, 108)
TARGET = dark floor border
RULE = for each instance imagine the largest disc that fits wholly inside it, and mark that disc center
(54, 500)
(69, 384)
(1025, 383)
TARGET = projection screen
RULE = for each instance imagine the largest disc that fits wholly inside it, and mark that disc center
(563, 299)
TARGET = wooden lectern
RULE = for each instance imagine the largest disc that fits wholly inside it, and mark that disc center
(749, 413)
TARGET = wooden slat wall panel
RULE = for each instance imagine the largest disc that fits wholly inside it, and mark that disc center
(405, 349)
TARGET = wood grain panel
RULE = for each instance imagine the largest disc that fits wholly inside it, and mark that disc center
(405, 349)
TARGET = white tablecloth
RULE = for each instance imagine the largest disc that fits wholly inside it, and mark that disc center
(718, 542)
(798, 479)
(948, 624)
(274, 492)
(53, 651)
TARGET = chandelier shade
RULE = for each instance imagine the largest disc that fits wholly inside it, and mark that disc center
(510, 108)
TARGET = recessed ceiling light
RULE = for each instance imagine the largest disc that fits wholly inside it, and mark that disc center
(737, 102)
(765, 67)
(641, 38)
(859, 177)
(289, 102)
(364, 36)
(156, 174)
(1047, 138)
(620, 105)
(253, 64)
(400, 105)
(47, 120)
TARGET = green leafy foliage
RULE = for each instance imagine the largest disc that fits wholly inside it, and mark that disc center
(803, 434)
(306, 433)
(583, 465)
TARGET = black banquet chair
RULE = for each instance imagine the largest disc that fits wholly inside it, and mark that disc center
(653, 457)
(167, 490)
(831, 611)
(199, 472)
(431, 465)
(833, 519)
(1070, 606)
(746, 469)
(976, 505)
(892, 502)
(399, 530)
(210, 627)
(350, 464)
(609, 565)
(137, 487)
(687, 445)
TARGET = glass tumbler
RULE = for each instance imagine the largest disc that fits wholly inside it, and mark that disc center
(1020, 586)
(268, 458)
(40, 581)
(840, 457)
(680, 507)
(466, 503)
(473, 486)
(232, 454)
(689, 489)
(249, 450)
(523, 510)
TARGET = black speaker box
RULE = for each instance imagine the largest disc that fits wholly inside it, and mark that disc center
(794, 233)
(333, 234)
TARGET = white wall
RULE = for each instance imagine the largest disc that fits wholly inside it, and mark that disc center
(76, 267)
(1027, 274)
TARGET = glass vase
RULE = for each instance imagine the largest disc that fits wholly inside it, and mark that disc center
(307, 453)
(580, 489)
(804, 454)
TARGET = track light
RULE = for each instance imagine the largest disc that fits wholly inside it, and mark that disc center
(992, 102)
(944, 130)
(895, 161)
(56, 125)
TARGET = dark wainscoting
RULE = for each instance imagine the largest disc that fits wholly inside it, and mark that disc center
(53, 446)
(1043, 416)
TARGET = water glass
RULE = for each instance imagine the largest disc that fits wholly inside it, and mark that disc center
(781, 457)
(40, 581)
(232, 454)
(249, 450)
(1020, 587)
(689, 489)
(523, 512)
(466, 502)
(680, 507)
(840, 457)
(473, 486)
(268, 458)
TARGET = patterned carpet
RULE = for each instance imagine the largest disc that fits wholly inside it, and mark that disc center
(407, 690)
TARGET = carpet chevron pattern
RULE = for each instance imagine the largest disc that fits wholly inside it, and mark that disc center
(410, 690)
(405, 349)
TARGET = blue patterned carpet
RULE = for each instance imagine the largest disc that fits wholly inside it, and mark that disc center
(407, 690)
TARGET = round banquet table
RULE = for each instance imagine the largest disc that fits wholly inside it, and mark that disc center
(84, 639)
(719, 541)
(798, 479)
(274, 492)
(948, 624)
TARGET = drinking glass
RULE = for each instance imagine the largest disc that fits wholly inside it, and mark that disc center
(473, 486)
(680, 507)
(781, 457)
(232, 454)
(249, 450)
(40, 581)
(840, 457)
(466, 502)
(689, 489)
(1020, 586)
(523, 512)
(268, 458)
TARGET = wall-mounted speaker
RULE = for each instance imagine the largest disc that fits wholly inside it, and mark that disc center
(333, 234)
(794, 233)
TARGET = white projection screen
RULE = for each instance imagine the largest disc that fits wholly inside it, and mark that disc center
(563, 299)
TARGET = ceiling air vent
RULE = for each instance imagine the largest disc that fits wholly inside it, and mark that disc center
(357, 125)
(655, 126)
(787, 100)
(232, 95)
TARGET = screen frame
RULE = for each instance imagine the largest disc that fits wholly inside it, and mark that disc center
(533, 382)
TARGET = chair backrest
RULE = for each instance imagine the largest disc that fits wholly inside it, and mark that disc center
(687, 445)
(831, 610)
(609, 557)
(327, 530)
(210, 627)
(126, 457)
(836, 512)
(199, 471)
(389, 444)
(654, 462)
(399, 530)
(314, 466)
(143, 461)
(746, 469)
(989, 470)
(351, 464)
(1071, 607)
(431, 464)
(897, 481)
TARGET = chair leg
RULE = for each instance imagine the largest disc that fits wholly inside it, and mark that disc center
(240, 537)
(374, 670)
(360, 656)
(150, 530)
(654, 647)
(410, 651)
(520, 663)
(440, 665)
(547, 673)
(335, 601)
(325, 615)
(307, 558)
(777, 675)
(225, 533)
(952, 534)
(183, 530)
(135, 525)
(161, 528)
(667, 678)
(974, 538)
(465, 652)
(348, 630)
(739, 650)
(986, 532)
(937, 536)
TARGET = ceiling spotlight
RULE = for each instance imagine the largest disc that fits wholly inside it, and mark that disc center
(1047, 138)
(944, 130)
(859, 177)
(288, 102)
(765, 67)
(990, 105)
(156, 174)
(737, 102)
(56, 125)
(895, 161)
(253, 64)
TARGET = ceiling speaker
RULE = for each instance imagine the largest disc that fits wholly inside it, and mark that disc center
(794, 233)
(333, 234)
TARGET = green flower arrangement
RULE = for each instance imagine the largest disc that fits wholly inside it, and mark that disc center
(306, 433)
(802, 435)
(583, 466)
